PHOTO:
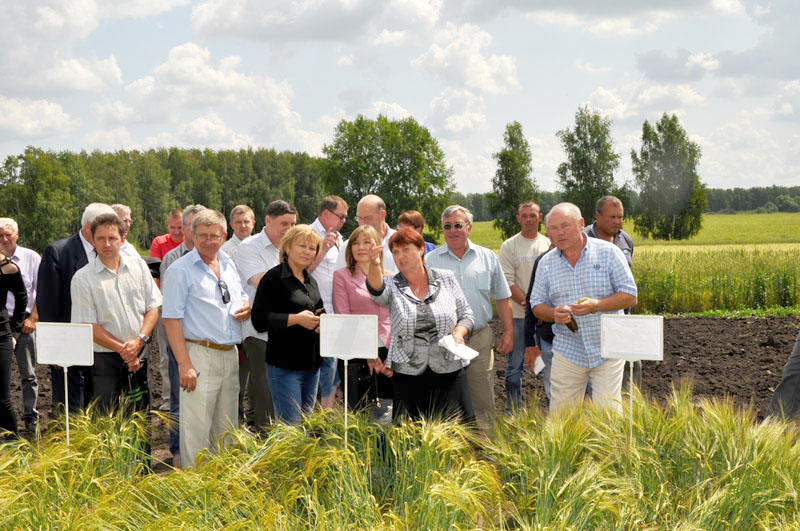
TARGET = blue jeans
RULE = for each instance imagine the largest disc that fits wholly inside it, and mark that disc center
(328, 376)
(293, 393)
(514, 368)
(174, 402)
(547, 358)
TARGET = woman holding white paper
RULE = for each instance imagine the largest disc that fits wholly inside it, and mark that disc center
(425, 304)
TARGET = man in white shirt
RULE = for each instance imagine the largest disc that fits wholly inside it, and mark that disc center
(255, 256)
(517, 255)
(243, 221)
(124, 212)
(332, 215)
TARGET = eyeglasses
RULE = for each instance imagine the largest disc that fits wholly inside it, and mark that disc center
(456, 226)
(341, 217)
(365, 219)
(226, 295)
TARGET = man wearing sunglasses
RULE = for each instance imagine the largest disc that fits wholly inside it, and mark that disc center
(481, 278)
(331, 218)
(203, 310)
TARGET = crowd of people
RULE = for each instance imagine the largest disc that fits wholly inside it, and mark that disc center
(240, 318)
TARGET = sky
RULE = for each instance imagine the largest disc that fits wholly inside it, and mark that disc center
(227, 74)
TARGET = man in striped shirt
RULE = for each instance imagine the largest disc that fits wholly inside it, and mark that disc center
(574, 285)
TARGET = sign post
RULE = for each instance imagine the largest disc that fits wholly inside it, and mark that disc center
(65, 345)
(632, 337)
(348, 337)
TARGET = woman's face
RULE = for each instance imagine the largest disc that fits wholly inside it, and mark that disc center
(361, 247)
(301, 253)
(407, 257)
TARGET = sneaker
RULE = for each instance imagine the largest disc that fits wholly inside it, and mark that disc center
(164, 406)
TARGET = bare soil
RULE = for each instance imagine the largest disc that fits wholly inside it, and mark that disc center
(739, 358)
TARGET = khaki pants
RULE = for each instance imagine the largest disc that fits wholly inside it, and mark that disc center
(568, 383)
(480, 375)
(211, 409)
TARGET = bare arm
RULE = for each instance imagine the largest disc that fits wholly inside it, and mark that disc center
(506, 343)
(616, 301)
(517, 295)
(188, 374)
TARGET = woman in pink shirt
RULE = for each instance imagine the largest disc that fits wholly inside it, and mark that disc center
(366, 378)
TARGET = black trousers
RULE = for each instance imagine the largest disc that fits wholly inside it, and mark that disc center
(8, 418)
(112, 381)
(432, 395)
(363, 387)
(81, 389)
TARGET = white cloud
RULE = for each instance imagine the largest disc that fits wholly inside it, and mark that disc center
(684, 66)
(456, 112)
(138, 8)
(591, 69)
(389, 37)
(394, 111)
(86, 75)
(115, 112)
(787, 102)
(458, 56)
(211, 131)
(110, 139)
(703, 61)
(636, 100)
(28, 118)
(345, 60)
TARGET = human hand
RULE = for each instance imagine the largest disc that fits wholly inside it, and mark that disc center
(307, 319)
(134, 365)
(375, 253)
(188, 377)
(130, 350)
(531, 353)
(562, 314)
(28, 325)
(331, 239)
(583, 306)
(376, 366)
(242, 313)
(506, 343)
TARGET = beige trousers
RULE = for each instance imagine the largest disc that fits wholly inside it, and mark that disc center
(480, 375)
(568, 383)
(212, 408)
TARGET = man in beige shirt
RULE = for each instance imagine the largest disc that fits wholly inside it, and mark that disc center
(517, 255)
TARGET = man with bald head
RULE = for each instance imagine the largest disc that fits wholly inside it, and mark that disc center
(575, 284)
(371, 210)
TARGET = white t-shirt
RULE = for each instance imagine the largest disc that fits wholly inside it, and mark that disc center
(517, 255)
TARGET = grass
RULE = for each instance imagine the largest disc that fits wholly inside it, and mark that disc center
(688, 465)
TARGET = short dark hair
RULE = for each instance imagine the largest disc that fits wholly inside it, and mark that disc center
(529, 204)
(279, 207)
(606, 199)
(413, 218)
(111, 220)
(330, 203)
(406, 236)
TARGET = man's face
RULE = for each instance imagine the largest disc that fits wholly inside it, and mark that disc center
(529, 218)
(107, 241)
(278, 226)
(456, 230)
(334, 219)
(126, 219)
(609, 221)
(242, 225)
(208, 239)
(369, 214)
(188, 235)
(565, 231)
(175, 229)
(8, 240)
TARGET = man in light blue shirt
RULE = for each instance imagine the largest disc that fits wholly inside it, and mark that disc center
(481, 278)
(573, 286)
(204, 304)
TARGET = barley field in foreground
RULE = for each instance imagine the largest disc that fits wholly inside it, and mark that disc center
(687, 465)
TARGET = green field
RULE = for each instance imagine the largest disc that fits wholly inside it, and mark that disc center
(686, 465)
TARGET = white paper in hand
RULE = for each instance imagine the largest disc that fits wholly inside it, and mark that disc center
(462, 351)
(538, 365)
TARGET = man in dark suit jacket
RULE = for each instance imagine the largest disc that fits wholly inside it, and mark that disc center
(60, 261)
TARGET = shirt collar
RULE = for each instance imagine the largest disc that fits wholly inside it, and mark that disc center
(587, 241)
(87, 247)
(287, 272)
(265, 241)
(99, 265)
(469, 248)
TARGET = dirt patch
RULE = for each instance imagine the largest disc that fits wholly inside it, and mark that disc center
(740, 358)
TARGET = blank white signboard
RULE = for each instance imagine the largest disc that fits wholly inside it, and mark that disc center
(632, 337)
(64, 344)
(348, 337)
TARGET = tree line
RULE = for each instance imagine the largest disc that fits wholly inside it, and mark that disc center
(759, 199)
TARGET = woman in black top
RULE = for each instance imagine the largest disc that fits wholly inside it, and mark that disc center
(287, 305)
(10, 280)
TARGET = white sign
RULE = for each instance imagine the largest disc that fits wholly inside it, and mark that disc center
(64, 344)
(632, 337)
(348, 337)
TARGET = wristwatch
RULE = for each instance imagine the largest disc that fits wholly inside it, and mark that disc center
(145, 338)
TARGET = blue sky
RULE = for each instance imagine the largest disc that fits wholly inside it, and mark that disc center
(135, 74)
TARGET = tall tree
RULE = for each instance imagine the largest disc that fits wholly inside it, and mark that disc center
(671, 196)
(512, 183)
(399, 160)
(588, 173)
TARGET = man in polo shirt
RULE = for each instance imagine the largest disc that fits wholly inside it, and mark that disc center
(243, 221)
(204, 306)
(575, 284)
(255, 257)
(481, 278)
(332, 215)
(117, 295)
(164, 243)
(25, 350)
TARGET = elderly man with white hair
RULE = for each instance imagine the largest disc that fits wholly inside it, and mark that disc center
(27, 261)
(61, 260)
(575, 284)
(124, 213)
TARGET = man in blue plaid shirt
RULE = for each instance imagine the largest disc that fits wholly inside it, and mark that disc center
(574, 285)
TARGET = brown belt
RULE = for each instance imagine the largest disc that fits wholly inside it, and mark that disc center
(209, 344)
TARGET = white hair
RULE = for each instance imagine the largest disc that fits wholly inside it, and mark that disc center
(94, 210)
(452, 209)
(569, 209)
(10, 223)
(121, 208)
